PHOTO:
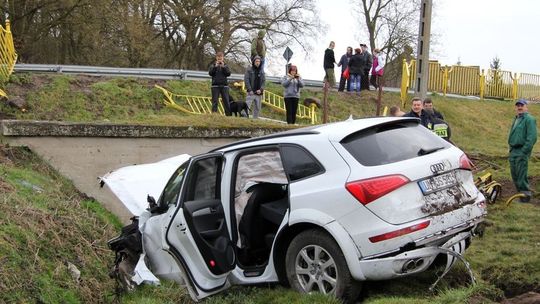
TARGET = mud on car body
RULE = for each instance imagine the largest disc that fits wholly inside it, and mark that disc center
(322, 208)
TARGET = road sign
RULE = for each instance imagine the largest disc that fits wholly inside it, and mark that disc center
(287, 54)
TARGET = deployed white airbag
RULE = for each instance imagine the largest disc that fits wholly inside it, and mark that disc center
(132, 184)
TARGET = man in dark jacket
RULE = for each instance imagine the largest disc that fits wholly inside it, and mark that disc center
(368, 59)
(418, 112)
(521, 140)
(329, 61)
(254, 80)
(344, 64)
(356, 69)
(428, 105)
(219, 72)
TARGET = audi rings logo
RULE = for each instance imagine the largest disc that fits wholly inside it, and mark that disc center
(436, 168)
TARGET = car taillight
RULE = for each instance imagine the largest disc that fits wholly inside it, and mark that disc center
(465, 163)
(368, 190)
(400, 232)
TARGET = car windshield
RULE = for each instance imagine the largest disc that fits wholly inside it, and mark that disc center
(172, 189)
(391, 143)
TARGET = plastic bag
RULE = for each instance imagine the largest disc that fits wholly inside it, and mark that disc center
(346, 73)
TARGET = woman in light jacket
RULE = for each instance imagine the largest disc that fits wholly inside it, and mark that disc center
(292, 84)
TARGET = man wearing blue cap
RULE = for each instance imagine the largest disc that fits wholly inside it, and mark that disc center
(521, 140)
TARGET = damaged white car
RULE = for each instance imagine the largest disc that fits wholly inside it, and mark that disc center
(322, 208)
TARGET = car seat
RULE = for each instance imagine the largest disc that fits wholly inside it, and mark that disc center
(252, 226)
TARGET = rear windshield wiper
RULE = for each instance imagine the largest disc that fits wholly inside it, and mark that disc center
(423, 151)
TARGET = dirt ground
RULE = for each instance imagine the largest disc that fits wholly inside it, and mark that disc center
(526, 298)
(508, 190)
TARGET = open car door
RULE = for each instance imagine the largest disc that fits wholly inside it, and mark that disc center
(198, 233)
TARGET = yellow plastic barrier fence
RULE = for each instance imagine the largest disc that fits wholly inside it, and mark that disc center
(512, 198)
(406, 80)
(8, 57)
(385, 111)
(528, 86)
(278, 102)
(469, 80)
(189, 104)
(203, 105)
(463, 80)
(498, 84)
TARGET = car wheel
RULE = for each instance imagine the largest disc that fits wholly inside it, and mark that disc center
(315, 263)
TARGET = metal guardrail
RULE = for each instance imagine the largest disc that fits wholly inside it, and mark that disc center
(138, 72)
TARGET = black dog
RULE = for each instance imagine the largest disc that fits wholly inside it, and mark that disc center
(237, 107)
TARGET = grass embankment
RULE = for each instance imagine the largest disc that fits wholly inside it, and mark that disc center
(46, 224)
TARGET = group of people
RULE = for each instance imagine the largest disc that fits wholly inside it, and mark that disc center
(254, 80)
(355, 73)
(355, 68)
(429, 117)
(521, 137)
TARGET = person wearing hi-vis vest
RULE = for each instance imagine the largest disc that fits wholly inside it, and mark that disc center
(521, 140)
(437, 125)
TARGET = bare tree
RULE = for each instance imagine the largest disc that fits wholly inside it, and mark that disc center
(197, 28)
(159, 33)
(391, 24)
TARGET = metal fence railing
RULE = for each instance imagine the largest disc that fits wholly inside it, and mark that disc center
(470, 80)
(529, 86)
(139, 72)
(203, 104)
(8, 57)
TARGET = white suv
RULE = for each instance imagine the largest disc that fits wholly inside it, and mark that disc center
(321, 208)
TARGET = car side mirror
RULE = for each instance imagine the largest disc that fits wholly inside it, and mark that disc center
(151, 202)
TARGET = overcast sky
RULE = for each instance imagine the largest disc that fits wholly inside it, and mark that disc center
(472, 31)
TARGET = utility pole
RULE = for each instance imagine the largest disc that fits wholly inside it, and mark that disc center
(422, 55)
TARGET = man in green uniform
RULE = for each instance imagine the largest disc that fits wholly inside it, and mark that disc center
(521, 140)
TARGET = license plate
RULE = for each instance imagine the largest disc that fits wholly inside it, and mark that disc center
(437, 183)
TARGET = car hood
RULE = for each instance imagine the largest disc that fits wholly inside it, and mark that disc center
(132, 184)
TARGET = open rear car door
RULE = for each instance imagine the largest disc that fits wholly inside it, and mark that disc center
(198, 234)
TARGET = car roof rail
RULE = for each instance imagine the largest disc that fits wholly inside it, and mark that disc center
(303, 131)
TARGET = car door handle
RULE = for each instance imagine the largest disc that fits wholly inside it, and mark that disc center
(205, 211)
(201, 212)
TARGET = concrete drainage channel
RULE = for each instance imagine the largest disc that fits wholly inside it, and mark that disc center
(83, 152)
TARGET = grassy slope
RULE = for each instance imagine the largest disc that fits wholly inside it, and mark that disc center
(44, 224)
(505, 259)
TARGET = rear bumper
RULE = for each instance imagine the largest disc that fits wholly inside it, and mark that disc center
(434, 238)
(406, 263)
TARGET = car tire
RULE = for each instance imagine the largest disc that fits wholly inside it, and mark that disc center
(315, 263)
